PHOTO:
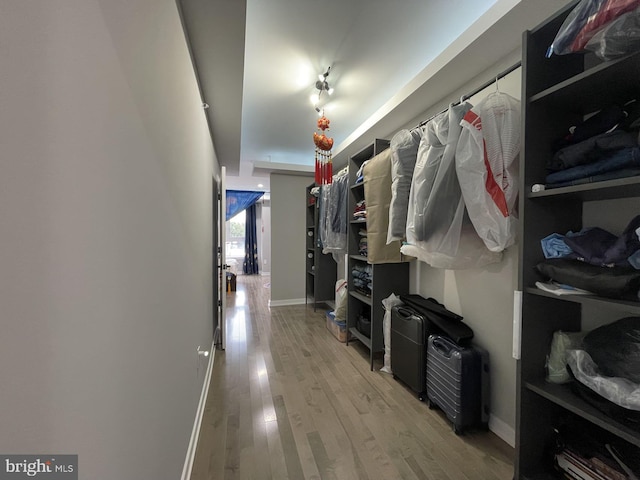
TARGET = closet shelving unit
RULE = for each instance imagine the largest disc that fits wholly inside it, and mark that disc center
(387, 278)
(320, 268)
(559, 92)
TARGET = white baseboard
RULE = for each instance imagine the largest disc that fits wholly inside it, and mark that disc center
(195, 432)
(285, 303)
(265, 274)
(503, 430)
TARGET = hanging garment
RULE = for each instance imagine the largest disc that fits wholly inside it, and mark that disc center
(334, 219)
(377, 191)
(487, 164)
(438, 231)
(404, 152)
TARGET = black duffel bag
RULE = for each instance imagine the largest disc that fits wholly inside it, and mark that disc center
(439, 318)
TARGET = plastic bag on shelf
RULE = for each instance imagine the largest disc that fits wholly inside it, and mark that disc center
(620, 391)
(615, 348)
(609, 11)
(557, 360)
(572, 25)
(619, 37)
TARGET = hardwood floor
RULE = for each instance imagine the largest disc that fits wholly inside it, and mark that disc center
(288, 401)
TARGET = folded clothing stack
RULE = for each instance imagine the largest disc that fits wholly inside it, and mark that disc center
(363, 243)
(603, 147)
(362, 277)
(360, 210)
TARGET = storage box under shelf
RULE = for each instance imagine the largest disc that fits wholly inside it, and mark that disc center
(336, 327)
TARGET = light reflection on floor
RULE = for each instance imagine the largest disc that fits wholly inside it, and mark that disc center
(237, 327)
(236, 320)
(241, 298)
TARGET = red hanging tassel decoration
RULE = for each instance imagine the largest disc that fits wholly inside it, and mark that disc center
(324, 144)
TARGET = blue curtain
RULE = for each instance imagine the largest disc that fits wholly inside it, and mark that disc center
(239, 200)
(250, 264)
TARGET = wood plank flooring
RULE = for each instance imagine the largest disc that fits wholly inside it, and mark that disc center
(288, 401)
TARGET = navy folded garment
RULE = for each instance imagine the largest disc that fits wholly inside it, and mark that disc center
(622, 173)
(616, 160)
(599, 247)
(603, 121)
(591, 149)
(613, 282)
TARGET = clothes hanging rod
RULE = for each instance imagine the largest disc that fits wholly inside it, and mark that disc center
(486, 84)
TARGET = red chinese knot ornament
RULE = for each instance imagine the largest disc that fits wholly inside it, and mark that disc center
(324, 144)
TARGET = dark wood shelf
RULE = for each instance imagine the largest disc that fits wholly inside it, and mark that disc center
(363, 298)
(612, 303)
(320, 282)
(385, 278)
(559, 92)
(606, 190)
(543, 476)
(355, 333)
(584, 93)
(563, 396)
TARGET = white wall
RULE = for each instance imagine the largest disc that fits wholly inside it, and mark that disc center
(105, 220)
(484, 296)
(288, 237)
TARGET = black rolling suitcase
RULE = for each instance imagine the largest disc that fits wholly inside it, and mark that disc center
(409, 332)
(458, 382)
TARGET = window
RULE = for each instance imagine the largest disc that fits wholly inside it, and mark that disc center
(234, 246)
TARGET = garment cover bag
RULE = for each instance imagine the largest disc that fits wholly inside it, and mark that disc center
(487, 159)
(438, 230)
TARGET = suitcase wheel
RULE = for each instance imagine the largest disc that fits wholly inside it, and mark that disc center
(421, 397)
(430, 404)
(457, 430)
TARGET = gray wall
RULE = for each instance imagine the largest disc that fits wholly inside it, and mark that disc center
(288, 217)
(105, 220)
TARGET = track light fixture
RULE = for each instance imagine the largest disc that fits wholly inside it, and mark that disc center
(322, 86)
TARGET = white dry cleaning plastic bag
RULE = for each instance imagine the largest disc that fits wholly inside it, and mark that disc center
(620, 391)
(404, 153)
(487, 159)
(438, 230)
(388, 303)
(341, 300)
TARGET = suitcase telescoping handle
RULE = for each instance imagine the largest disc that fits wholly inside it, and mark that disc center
(443, 345)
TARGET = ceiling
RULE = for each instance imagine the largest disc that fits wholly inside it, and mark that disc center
(257, 63)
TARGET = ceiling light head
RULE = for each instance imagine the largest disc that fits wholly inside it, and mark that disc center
(315, 98)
